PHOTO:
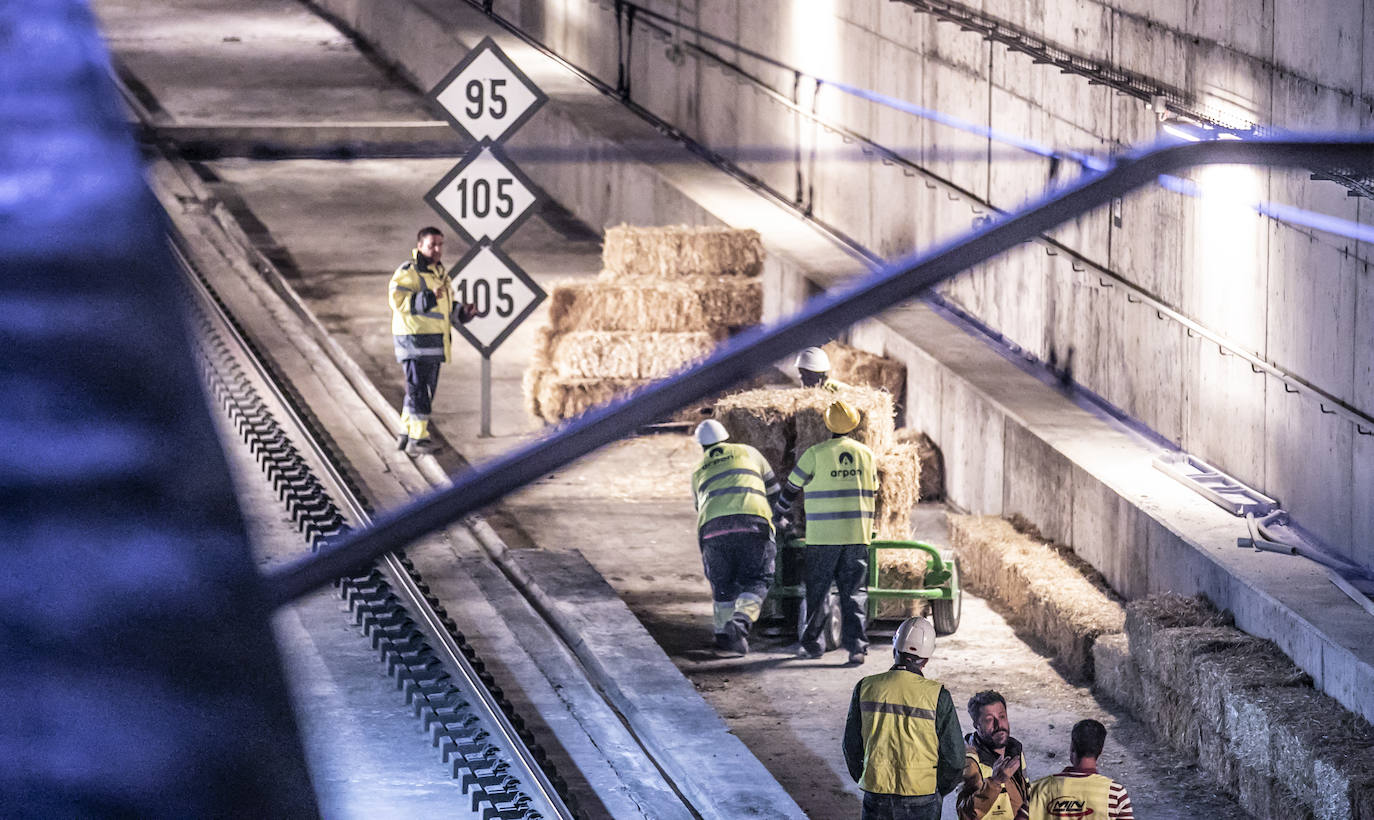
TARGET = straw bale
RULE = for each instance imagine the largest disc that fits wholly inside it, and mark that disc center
(560, 398)
(1249, 663)
(595, 354)
(1115, 674)
(728, 303)
(899, 489)
(667, 252)
(761, 418)
(875, 408)
(859, 367)
(932, 472)
(629, 304)
(1172, 715)
(1044, 595)
(545, 338)
(901, 569)
(1214, 757)
(529, 388)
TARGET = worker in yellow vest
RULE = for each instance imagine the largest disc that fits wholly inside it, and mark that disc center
(422, 315)
(901, 739)
(813, 366)
(840, 481)
(1080, 791)
(995, 785)
(734, 490)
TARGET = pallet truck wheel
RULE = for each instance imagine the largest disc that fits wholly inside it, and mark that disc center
(945, 614)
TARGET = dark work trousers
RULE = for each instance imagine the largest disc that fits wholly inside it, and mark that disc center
(901, 807)
(739, 563)
(422, 379)
(847, 566)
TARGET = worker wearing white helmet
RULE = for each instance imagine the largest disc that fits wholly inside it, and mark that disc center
(734, 490)
(902, 741)
(840, 481)
(814, 368)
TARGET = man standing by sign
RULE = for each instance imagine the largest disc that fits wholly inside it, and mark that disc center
(422, 313)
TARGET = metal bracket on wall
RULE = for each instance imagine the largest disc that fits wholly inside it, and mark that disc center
(1214, 485)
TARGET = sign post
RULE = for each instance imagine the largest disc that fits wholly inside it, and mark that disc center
(485, 198)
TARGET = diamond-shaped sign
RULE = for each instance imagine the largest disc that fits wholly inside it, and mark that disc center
(503, 294)
(485, 196)
(486, 96)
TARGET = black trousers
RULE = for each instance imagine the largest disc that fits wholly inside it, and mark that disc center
(847, 566)
(739, 563)
(422, 379)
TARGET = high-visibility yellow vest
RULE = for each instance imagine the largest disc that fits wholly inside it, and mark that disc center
(1069, 795)
(841, 485)
(420, 335)
(901, 747)
(1001, 807)
(733, 479)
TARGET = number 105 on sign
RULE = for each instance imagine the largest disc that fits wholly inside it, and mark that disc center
(478, 293)
(502, 293)
(485, 196)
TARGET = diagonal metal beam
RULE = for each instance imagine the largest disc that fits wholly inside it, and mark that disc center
(819, 320)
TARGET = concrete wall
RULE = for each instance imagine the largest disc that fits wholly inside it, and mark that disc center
(1301, 299)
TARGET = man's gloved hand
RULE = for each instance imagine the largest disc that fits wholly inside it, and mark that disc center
(426, 300)
(466, 313)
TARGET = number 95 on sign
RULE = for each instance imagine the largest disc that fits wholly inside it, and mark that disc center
(485, 196)
(502, 293)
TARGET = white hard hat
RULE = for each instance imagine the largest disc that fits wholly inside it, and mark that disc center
(710, 432)
(813, 359)
(916, 636)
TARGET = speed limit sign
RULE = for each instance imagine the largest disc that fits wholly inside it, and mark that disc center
(502, 293)
(486, 96)
(485, 196)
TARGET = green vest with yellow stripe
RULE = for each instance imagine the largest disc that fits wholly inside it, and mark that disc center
(1068, 795)
(840, 481)
(732, 479)
(901, 747)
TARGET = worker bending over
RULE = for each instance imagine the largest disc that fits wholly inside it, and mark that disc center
(814, 368)
(1079, 790)
(901, 738)
(995, 785)
(734, 490)
(841, 483)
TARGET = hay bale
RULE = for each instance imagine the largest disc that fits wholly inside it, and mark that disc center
(559, 398)
(1172, 715)
(899, 489)
(669, 252)
(876, 427)
(1044, 596)
(931, 473)
(640, 304)
(596, 354)
(761, 418)
(728, 304)
(901, 569)
(859, 367)
(1115, 674)
(529, 388)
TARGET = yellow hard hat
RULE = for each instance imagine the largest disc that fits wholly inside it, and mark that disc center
(841, 417)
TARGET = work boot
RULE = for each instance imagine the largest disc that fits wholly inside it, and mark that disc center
(402, 440)
(421, 447)
(735, 640)
(810, 650)
(857, 657)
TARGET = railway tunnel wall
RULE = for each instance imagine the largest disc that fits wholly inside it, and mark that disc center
(1299, 299)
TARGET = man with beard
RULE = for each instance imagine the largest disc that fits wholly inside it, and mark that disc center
(995, 783)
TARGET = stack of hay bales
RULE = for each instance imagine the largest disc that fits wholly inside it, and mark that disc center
(1241, 708)
(1043, 593)
(854, 366)
(666, 298)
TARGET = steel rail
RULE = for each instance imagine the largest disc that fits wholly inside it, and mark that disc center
(534, 780)
(817, 321)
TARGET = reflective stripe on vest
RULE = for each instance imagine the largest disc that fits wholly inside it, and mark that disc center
(732, 479)
(901, 748)
(840, 483)
(1066, 795)
(1001, 807)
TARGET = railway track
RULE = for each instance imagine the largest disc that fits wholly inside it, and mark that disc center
(462, 710)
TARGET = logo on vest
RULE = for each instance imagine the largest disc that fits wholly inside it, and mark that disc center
(716, 452)
(847, 468)
(1068, 807)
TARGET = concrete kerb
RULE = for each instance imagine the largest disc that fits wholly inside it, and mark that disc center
(691, 744)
